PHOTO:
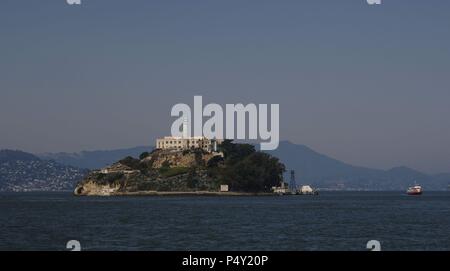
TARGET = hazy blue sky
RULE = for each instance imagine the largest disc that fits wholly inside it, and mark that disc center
(369, 85)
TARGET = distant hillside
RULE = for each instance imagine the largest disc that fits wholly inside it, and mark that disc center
(21, 171)
(94, 159)
(10, 155)
(311, 168)
(443, 178)
(325, 172)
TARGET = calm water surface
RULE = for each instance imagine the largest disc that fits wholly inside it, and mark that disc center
(331, 221)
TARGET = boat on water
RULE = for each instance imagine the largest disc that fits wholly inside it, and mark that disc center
(307, 190)
(303, 190)
(414, 190)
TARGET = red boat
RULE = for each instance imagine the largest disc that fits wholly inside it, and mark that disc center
(414, 190)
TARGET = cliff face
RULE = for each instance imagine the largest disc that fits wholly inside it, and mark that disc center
(91, 187)
(159, 171)
(178, 158)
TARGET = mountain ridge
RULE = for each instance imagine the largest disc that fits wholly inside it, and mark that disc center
(323, 171)
(16, 155)
(310, 166)
(94, 159)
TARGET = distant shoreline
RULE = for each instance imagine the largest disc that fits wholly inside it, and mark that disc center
(183, 193)
(205, 193)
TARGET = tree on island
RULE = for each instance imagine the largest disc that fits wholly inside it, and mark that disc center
(144, 155)
(247, 170)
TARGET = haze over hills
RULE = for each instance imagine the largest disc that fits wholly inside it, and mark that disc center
(94, 159)
(325, 172)
(310, 166)
(21, 171)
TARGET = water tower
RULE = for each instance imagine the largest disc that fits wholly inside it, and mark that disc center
(292, 184)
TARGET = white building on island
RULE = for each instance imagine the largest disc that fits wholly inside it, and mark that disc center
(186, 142)
(180, 143)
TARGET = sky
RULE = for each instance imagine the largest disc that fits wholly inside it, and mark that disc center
(368, 85)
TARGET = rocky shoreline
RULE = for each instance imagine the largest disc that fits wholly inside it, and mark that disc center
(185, 193)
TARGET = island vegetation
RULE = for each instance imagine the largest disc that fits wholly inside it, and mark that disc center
(239, 166)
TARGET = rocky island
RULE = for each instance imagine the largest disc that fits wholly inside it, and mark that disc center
(237, 167)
